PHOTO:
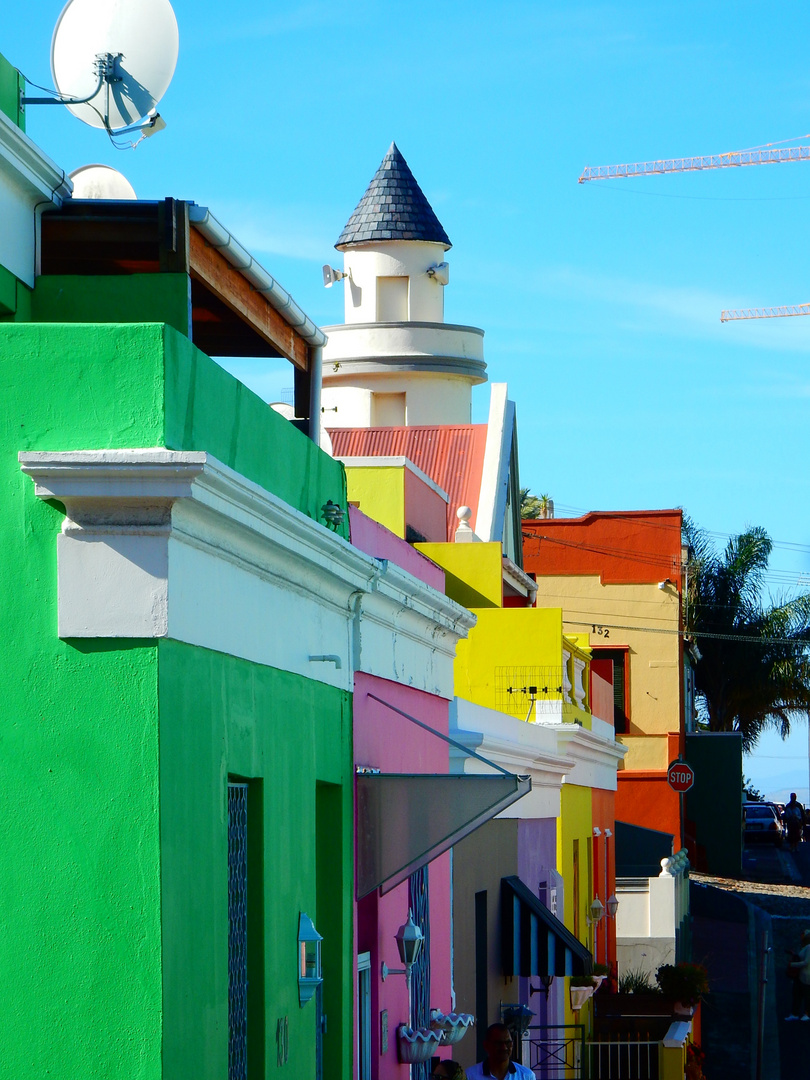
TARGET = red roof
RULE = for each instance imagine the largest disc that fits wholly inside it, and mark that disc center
(452, 455)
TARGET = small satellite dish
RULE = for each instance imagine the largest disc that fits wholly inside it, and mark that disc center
(330, 276)
(100, 182)
(113, 60)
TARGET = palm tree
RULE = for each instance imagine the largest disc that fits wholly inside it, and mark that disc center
(535, 506)
(753, 670)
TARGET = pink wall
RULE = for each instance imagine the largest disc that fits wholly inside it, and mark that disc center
(601, 692)
(374, 539)
(386, 741)
(425, 509)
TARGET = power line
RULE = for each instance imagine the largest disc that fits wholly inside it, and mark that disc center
(753, 639)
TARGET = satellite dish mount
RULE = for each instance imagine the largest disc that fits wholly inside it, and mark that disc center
(108, 70)
(111, 64)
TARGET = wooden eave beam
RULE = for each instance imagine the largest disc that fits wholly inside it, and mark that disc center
(210, 267)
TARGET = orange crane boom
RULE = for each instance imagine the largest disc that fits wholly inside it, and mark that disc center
(734, 159)
(764, 312)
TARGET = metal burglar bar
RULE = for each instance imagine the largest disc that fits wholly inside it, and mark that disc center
(237, 931)
(554, 1051)
(419, 903)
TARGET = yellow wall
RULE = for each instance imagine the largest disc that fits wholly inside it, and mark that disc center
(473, 572)
(379, 491)
(516, 647)
(576, 823)
(654, 669)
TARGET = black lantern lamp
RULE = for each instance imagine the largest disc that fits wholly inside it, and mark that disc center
(409, 940)
(310, 974)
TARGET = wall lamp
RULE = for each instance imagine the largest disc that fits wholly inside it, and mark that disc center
(545, 986)
(596, 911)
(663, 584)
(612, 906)
(409, 940)
(310, 972)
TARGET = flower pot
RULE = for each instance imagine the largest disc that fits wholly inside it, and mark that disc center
(451, 1028)
(580, 994)
(416, 1044)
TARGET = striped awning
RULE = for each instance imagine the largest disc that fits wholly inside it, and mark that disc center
(533, 940)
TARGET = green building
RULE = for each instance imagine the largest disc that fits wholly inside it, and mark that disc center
(176, 750)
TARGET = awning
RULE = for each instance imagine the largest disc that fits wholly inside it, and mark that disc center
(533, 940)
(405, 821)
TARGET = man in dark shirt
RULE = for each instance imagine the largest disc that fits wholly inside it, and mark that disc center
(498, 1061)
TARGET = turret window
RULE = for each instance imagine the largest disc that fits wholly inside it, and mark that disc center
(392, 299)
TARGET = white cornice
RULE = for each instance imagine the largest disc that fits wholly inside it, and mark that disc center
(21, 157)
(118, 502)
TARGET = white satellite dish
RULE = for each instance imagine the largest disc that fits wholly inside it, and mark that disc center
(100, 182)
(112, 61)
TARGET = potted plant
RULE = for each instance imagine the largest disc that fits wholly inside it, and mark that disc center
(416, 1044)
(582, 987)
(451, 1027)
(685, 983)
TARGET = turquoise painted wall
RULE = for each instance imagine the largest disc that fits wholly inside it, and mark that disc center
(220, 716)
(91, 731)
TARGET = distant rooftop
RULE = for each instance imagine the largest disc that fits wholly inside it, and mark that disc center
(452, 455)
(393, 208)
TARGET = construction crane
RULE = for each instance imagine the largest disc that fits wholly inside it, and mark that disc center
(735, 159)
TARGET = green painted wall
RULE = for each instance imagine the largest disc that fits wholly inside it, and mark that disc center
(713, 805)
(80, 946)
(94, 733)
(11, 86)
(114, 298)
(220, 716)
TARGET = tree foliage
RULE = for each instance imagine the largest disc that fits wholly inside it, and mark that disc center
(534, 506)
(753, 672)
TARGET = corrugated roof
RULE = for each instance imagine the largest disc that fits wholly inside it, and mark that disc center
(451, 455)
(393, 208)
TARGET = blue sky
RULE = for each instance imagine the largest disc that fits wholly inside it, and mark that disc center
(600, 301)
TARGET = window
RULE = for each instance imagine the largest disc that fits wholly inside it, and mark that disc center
(387, 410)
(392, 299)
(613, 664)
(364, 1016)
(237, 931)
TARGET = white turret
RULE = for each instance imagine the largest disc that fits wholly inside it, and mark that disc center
(395, 361)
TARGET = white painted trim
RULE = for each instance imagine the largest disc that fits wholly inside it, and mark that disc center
(491, 516)
(161, 543)
(21, 157)
(519, 580)
(394, 461)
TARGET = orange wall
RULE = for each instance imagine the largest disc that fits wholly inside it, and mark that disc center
(646, 799)
(602, 812)
(626, 547)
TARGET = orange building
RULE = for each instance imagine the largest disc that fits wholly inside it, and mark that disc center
(618, 577)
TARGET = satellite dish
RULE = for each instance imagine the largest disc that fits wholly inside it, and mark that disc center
(100, 182)
(113, 60)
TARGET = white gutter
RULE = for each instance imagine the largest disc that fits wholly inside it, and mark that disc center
(219, 237)
(519, 580)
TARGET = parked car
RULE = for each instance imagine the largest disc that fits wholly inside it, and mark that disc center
(762, 824)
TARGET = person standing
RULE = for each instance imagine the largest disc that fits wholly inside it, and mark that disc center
(448, 1070)
(498, 1061)
(800, 965)
(794, 820)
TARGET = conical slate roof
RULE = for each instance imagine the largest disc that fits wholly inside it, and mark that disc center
(393, 208)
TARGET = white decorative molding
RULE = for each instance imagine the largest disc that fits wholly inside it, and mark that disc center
(160, 543)
(491, 516)
(29, 183)
(518, 747)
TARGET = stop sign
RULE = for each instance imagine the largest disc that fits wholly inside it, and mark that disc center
(680, 776)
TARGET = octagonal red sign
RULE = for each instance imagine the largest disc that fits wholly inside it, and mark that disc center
(680, 776)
